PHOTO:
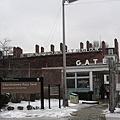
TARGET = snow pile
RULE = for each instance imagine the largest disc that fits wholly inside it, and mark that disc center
(115, 115)
(55, 111)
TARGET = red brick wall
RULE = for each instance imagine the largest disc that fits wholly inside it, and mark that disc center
(39, 62)
(51, 77)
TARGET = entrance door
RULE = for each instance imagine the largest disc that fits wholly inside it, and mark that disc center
(96, 88)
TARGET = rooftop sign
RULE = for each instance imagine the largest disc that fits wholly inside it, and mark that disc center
(60, 52)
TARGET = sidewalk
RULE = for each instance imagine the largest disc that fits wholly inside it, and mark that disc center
(94, 112)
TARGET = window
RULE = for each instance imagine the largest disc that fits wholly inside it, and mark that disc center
(83, 83)
(107, 78)
(70, 83)
(81, 74)
(78, 80)
(70, 75)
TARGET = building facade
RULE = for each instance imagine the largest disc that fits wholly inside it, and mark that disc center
(86, 68)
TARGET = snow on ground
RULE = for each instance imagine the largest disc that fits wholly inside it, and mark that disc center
(115, 115)
(55, 111)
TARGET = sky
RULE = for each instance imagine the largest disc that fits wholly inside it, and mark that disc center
(30, 22)
(54, 112)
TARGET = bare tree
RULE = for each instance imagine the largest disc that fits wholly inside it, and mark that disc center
(96, 44)
(5, 47)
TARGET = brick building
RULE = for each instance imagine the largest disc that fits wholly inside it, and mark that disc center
(86, 68)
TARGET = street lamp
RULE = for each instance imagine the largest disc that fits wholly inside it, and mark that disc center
(65, 100)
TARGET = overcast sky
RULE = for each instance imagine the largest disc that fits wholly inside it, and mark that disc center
(31, 22)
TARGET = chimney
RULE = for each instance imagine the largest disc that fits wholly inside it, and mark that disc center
(42, 49)
(61, 47)
(103, 47)
(36, 48)
(66, 48)
(19, 51)
(81, 45)
(116, 47)
(14, 51)
(52, 48)
(88, 45)
(0, 54)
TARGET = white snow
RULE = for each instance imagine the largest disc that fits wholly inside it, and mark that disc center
(55, 111)
(114, 116)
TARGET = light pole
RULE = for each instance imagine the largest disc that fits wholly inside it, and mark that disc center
(65, 100)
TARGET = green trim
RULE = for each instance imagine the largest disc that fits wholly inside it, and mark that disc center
(69, 91)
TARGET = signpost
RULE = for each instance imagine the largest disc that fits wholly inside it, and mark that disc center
(54, 89)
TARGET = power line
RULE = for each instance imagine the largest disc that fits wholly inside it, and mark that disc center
(54, 27)
(52, 32)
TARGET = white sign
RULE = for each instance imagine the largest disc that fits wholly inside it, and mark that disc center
(118, 87)
(54, 90)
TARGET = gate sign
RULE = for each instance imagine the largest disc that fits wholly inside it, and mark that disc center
(20, 85)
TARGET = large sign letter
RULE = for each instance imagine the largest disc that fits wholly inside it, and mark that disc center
(87, 62)
(78, 62)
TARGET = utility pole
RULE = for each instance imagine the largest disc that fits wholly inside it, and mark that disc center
(29, 77)
(112, 85)
(65, 100)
